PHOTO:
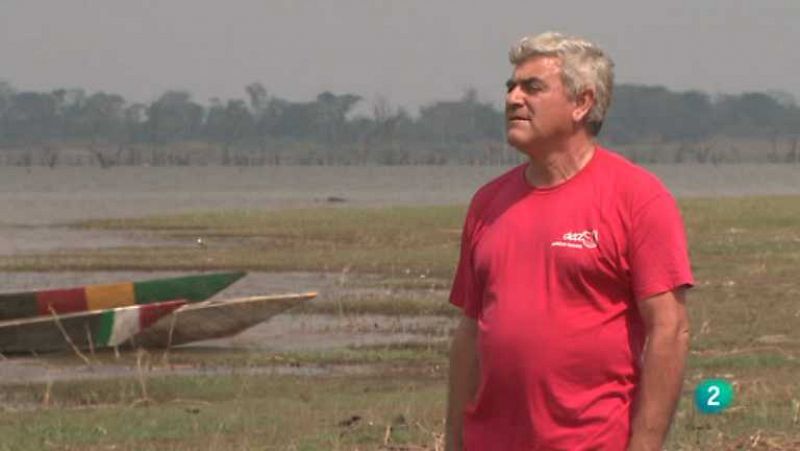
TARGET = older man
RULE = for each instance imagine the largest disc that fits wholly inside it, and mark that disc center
(571, 278)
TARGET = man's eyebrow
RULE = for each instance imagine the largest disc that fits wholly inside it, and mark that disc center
(530, 81)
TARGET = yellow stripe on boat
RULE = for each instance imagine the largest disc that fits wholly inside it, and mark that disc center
(100, 297)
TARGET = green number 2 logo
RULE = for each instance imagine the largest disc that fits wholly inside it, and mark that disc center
(713, 395)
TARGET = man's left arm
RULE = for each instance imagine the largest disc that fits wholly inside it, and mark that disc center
(667, 327)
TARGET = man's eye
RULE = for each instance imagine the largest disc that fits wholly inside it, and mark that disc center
(530, 86)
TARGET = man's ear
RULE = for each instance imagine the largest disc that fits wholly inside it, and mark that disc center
(583, 104)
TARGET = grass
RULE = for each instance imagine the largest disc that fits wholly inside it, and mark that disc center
(227, 412)
(744, 309)
(409, 354)
(241, 411)
(406, 242)
(745, 254)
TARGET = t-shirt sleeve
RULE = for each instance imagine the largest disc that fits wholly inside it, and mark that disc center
(659, 257)
(465, 292)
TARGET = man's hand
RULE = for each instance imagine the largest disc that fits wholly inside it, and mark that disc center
(463, 380)
(667, 328)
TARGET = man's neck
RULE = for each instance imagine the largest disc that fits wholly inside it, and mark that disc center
(559, 163)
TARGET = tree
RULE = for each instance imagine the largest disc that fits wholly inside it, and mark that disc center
(172, 118)
(263, 116)
(31, 119)
(228, 125)
(331, 116)
(6, 100)
(134, 120)
(462, 121)
(751, 114)
(102, 119)
(655, 114)
(383, 131)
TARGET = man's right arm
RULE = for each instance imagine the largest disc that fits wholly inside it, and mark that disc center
(464, 378)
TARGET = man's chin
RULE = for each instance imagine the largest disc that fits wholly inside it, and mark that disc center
(518, 142)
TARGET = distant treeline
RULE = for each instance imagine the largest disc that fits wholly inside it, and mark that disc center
(648, 123)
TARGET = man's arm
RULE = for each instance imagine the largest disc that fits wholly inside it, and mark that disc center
(667, 328)
(463, 380)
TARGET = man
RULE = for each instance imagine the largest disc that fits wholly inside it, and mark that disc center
(571, 278)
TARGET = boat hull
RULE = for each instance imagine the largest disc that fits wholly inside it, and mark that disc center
(83, 330)
(215, 319)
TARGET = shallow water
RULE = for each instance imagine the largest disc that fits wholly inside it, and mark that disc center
(52, 196)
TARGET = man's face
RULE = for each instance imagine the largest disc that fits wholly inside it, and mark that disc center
(538, 108)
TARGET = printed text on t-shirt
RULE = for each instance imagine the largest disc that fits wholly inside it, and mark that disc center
(586, 239)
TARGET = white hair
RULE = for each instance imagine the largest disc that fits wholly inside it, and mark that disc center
(584, 66)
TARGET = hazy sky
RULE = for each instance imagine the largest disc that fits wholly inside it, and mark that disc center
(410, 51)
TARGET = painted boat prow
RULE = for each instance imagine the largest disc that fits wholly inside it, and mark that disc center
(216, 319)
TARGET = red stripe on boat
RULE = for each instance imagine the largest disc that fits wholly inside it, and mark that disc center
(150, 313)
(62, 301)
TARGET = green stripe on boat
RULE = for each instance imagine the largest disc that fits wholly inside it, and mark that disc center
(105, 327)
(192, 288)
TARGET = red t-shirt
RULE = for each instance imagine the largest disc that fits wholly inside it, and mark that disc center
(552, 276)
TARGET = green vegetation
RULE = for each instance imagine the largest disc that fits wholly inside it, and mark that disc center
(745, 315)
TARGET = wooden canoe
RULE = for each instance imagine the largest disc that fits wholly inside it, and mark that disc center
(94, 329)
(215, 319)
(198, 287)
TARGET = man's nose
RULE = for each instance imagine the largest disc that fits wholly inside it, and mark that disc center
(514, 96)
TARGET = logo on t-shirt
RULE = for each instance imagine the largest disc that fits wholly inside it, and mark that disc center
(586, 239)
